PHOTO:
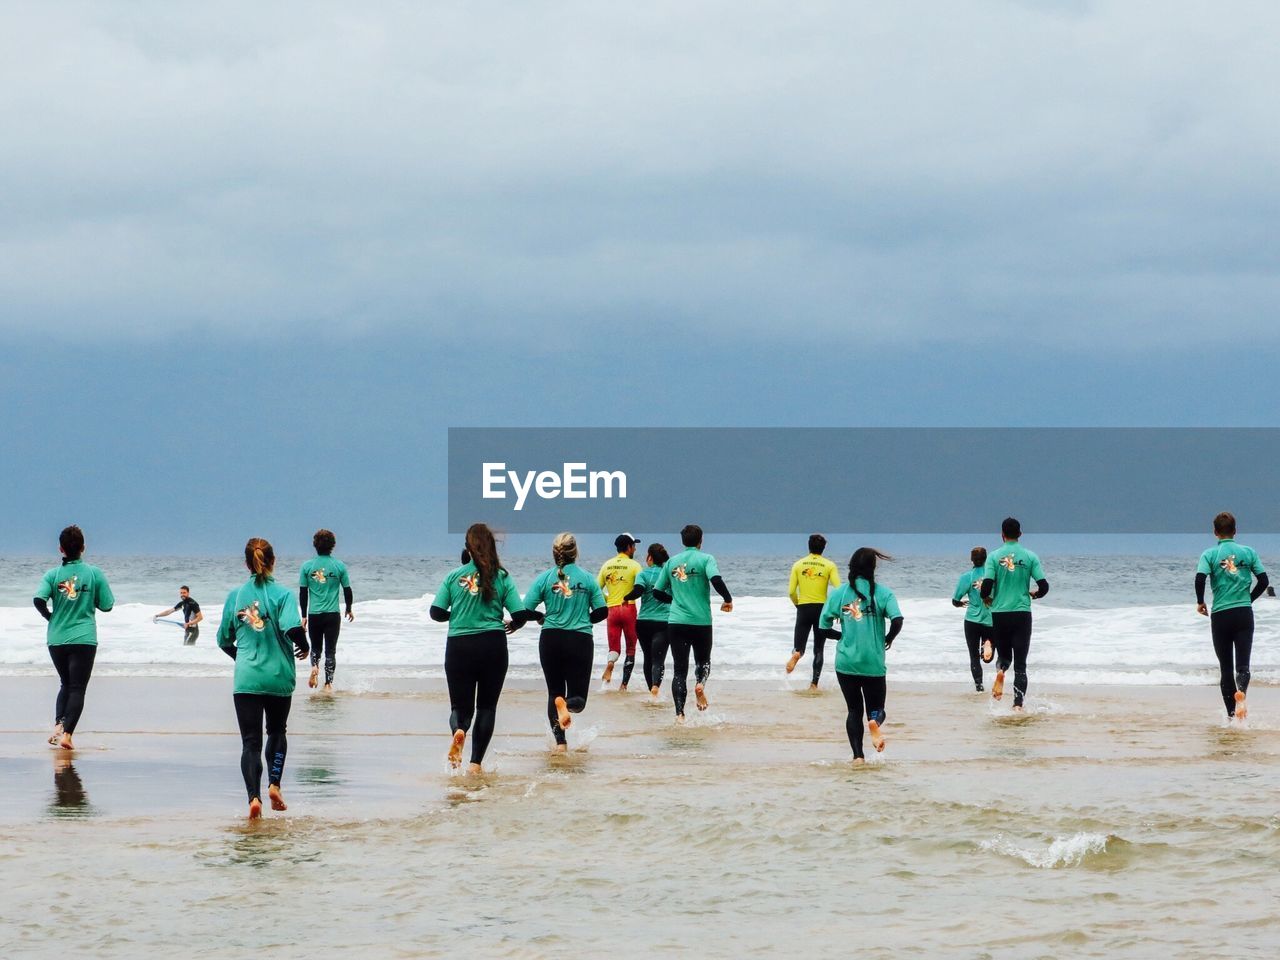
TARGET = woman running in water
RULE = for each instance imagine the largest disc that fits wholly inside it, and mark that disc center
(77, 590)
(262, 632)
(574, 602)
(977, 616)
(319, 581)
(471, 601)
(1230, 569)
(651, 622)
(862, 606)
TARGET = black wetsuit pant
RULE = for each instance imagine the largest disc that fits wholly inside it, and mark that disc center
(1012, 633)
(252, 709)
(566, 657)
(974, 634)
(475, 666)
(807, 622)
(322, 630)
(654, 642)
(74, 663)
(862, 695)
(1233, 643)
(190, 635)
(686, 637)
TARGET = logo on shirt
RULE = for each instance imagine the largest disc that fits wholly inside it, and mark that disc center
(1229, 564)
(251, 616)
(680, 573)
(1008, 562)
(68, 588)
(852, 610)
(318, 576)
(812, 573)
(471, 583)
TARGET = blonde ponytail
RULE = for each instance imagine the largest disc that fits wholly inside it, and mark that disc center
(564, 551)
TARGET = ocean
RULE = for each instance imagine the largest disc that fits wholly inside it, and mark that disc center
(1107, 620)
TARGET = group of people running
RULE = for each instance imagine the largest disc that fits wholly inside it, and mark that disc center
(664, 606)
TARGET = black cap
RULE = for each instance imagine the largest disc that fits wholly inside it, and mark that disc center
(624, 540)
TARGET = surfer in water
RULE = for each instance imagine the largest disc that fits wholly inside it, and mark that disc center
(1006, 589)
(977, 616)
(191, 615)
(811, 578)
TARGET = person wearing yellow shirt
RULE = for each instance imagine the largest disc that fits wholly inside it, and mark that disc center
(617, 579)
(811, 577)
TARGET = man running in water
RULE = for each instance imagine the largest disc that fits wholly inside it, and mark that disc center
(811, 576)
(618, 579)
(1230, 569)
(191, 615)
(1007, 577)
(685, 582)
(318, 583)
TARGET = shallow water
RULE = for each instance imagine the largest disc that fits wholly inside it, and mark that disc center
(1126, 822)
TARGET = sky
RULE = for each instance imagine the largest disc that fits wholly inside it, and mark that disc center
(254, 263)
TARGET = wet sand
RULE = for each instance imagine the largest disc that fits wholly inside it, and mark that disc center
(1128, 822)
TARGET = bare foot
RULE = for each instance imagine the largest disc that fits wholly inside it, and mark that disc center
(608, 672)
(255, 809)
(474, 770)
(1242, 711)
(653, 691)
(621, 687)
(57, 735)
(877, 740)
(859, 762)
(997, 688)
(314, 678)
(561, 748)
(277, 801)
(701, 697)
(813, 686)
(563, 716)
(680, 718)
(328, 688)
(795, 658)
(1017, 708)
(988, 654)
(65, 742)
(455, 748)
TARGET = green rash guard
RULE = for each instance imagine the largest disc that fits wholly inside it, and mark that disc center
(970, 585)
(324, 577)
(469, 612)
(255, 619)
(75, 590)
(569, 601)
(651, 608)
(1013, 568)
(687, 577)
(861, 649)
(1231, 568)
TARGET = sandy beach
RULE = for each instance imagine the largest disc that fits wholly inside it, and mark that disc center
(745, 833)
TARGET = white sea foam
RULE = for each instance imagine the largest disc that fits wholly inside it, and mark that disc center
(1159, 644)
(1062, 852)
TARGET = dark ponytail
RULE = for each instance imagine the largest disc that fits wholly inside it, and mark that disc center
(484, 554)
(863, 564)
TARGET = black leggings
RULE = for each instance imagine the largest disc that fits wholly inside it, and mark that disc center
(974, 634)
(251, 709)
(74, 663)
(323, 629)
(654, 642)
(475, 666)
(1012, 633)
(807, 622)
(566, 657)
(686, 637)
(861, 694)
(1233, 640)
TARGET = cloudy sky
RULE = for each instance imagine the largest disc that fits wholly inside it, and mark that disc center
(253, 264)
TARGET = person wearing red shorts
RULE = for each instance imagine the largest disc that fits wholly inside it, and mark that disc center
(617, 579)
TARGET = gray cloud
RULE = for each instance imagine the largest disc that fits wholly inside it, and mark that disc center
(910, 170)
